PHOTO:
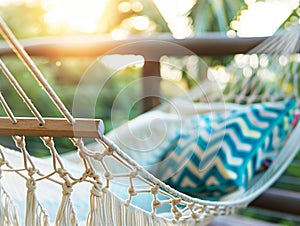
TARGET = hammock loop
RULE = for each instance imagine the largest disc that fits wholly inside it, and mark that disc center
(88, 173)
(48, 141)
(82, 150)
(20, 141)
(175, 210)
(63, 173)
(21, 144)
(177, 213)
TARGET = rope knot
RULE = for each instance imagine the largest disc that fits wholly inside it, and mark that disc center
(62, 172)
(79, 144)
(48, 141)
(194, 215)
(175, 201)
(156, 204)
(88, 173)
(132, 191)
(177, 214)
(32, 171)
(97, 178)
(110, 150)
(108, 175)
(98, 156)
(97, 190)
(133, 173)
(154, 189)
(67, 189)
(3, 162)
(31, 185)
(19, 141)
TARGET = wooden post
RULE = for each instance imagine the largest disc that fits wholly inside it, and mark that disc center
(151, 84)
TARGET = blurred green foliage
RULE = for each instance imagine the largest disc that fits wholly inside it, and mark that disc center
(215, 15)
(64, 74)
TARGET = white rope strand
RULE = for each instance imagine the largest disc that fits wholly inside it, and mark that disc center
(285, 42)
(21, 92)
(22, 54)
(7, 109)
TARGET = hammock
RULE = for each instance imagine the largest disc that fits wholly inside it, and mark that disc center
(103, 185)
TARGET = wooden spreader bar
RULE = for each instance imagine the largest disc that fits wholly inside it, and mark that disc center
(54, 127)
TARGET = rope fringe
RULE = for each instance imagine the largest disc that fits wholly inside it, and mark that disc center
(114, 211)
(106, 209)
(8, 212)
(42, 217)
(31, 203)
(95, 216)
(66, 215)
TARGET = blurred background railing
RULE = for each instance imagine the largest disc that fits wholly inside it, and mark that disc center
(70, 39)
(282, 201)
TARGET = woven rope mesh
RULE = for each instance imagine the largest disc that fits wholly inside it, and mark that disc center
(86, 188)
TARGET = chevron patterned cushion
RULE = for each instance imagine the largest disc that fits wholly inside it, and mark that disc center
(218, 153)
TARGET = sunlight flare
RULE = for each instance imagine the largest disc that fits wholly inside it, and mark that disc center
(75, 14)
(263, 18)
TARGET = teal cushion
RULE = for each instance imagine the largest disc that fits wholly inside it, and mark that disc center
(217, 153)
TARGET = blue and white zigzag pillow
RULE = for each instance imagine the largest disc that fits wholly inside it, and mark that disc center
(217, 153)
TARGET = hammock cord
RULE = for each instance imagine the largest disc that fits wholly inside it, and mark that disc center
(105, 207)
(285, 42)
(21, 93)
(22, 54)
(275, 52)
(7, 109)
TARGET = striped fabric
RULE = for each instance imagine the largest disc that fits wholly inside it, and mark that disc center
(217, 153)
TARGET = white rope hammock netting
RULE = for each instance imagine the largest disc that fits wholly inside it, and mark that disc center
(102, 184)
